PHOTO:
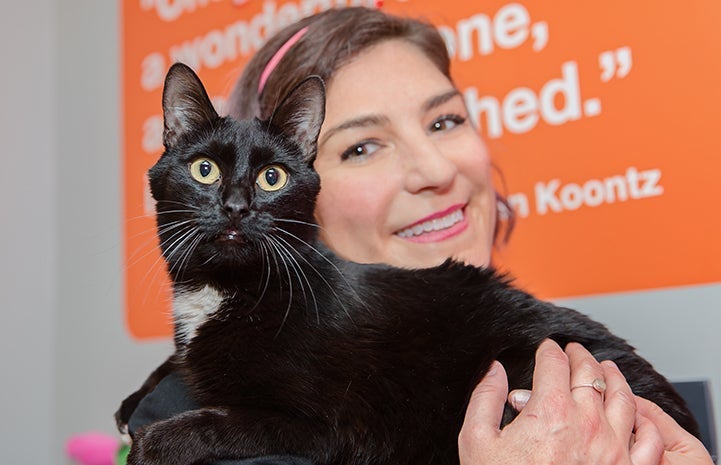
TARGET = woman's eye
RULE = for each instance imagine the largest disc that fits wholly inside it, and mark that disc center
(360, 150)
(205, 171)
(447, 122)
(272, 178)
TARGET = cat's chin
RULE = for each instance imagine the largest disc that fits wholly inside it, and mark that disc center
(230, 249)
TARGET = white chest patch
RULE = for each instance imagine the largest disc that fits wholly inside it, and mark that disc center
(192, 309)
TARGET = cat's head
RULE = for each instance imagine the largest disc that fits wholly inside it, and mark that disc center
(227, 192)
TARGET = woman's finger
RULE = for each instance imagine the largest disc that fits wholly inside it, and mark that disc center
(647, 448)
(587, 378)
(551, 375)
(674, 437)
(620, 402)
(485, 407)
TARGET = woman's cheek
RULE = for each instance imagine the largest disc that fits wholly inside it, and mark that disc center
(343, 206)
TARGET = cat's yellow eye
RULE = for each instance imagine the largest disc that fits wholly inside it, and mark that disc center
(205, 170)
(272, 178)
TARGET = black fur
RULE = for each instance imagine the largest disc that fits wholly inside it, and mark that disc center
(311, 355)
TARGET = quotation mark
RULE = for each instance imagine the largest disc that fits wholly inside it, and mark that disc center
(615, 63)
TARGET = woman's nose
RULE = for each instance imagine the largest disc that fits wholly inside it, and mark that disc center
(428, 168)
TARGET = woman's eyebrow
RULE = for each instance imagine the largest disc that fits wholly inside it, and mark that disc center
(359, 122)
(440, 99)
(365, 121)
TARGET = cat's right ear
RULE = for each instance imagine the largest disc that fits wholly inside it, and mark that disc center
(300, 115)
(186, 104)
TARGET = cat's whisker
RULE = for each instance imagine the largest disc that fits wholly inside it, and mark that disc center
(186, 249)
(141, 251)
(159, 259)
(135, 258)
(290, 249)
(154, 215)
(177, 238)
(293, 262)
(173, 225)
(168, 212)
(266, 271)
(314, 250)
(340, 273)
(176, 202)
(144, 216)
(170, 251)
(190, 249)
(265, 254)
(290, 288)
(261, 248)
(157, 265)
(277, 266)
(305, 223)
(213, 257)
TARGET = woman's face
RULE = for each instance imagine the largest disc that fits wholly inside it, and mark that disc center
(405, 177)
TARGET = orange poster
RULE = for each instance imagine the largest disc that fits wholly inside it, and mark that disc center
(602, 118)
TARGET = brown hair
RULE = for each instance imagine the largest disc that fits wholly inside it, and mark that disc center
(334, 37)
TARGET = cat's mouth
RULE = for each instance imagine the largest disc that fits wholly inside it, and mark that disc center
(230, 235)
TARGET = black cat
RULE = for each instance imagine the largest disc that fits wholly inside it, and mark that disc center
(289, 349)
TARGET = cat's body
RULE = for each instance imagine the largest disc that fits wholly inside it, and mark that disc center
(289, 349)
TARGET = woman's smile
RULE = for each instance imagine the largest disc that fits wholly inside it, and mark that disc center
(436, 227)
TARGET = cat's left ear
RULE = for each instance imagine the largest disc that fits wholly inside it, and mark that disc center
(301, 113)
(186, 105)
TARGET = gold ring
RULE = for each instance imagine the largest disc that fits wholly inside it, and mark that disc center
(598, 384)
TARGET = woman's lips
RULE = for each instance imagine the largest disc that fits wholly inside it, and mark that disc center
(437, 227)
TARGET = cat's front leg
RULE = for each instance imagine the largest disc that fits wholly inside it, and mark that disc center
(209, 434)
(190, 437)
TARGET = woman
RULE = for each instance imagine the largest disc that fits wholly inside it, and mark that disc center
(405, 180)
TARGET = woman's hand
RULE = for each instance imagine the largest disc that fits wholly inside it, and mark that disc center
(560, 425)
(681, 448)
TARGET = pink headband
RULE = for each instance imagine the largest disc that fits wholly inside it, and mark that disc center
(275, 59)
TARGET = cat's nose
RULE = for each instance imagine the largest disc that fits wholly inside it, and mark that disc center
(235, 205)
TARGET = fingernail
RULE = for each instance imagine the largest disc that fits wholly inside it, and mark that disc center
(518, 399)
(610, 363)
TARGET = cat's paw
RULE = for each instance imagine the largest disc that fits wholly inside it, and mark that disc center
(188, 438)
(126, 409)
(162, 443)
(123, 428)
(145, 450)
(122, 425)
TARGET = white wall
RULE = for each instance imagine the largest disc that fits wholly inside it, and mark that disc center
(28, 248)
(97, 362)
(66, 358)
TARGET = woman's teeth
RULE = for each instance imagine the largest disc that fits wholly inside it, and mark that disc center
(433, 225)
